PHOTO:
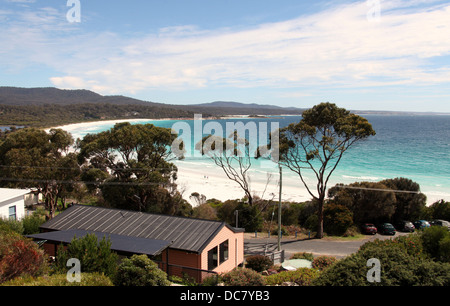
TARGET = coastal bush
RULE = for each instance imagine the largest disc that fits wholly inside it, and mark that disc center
(87, 279)
(312, 222)
(11, 225)
(32, 223)
(303, 255)
(364, 201)
(94, 255)
(243, 277)
(440, 210)
(212, 280)
(399, 267)
(436, 241)
(323, 262)
(337, 219)
(139, 270)
(258, 263)
(301, 276)
(444, 248)
(19, 256)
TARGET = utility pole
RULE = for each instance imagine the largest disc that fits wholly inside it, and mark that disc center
(279, 209)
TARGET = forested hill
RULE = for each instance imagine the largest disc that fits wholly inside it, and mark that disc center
(50, 95)
(45, 107)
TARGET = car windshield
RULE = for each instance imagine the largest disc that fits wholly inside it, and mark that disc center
(388, 226)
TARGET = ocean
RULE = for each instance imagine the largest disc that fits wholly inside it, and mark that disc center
(416, 147)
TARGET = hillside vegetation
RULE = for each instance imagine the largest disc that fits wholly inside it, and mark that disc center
(46, 107)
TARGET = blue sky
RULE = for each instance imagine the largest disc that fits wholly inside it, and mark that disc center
(361, 55)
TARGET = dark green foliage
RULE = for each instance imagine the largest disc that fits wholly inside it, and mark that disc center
(337, 219)
(407, 205)
(318, 143)
(58, 280)
(303, 255)
(11, 225)
(436, 242)
(258, 263)
(94, 255)
(250, 217)
(370, 202)
(33, 158)
(52, 114)
(301, 277)
(133, 169)
(323, 262)
(32, 223)
(377, 202)
(402, 264)
(139, 270)
(243, 277)
(44, 107)
(440, 210)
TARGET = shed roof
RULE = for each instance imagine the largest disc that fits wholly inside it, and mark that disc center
(185, 233)
(118, 242)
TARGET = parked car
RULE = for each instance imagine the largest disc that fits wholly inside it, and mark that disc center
(369, 229)
(421, 224)
(386, 229)
(405, 226)
(440, 223)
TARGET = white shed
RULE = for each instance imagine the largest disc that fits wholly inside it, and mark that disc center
(12, 203)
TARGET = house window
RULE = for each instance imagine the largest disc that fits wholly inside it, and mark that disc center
(12, 212)
(212, 258)
(223, 251)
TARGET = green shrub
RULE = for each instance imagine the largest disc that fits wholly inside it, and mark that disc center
(175, 279)
(258, 263)
(444, 249)
(243, 277)
(87, 279)
(412, 244)
(139, 270)
(337, 219)
(312, 222)
(13, 225)
(323, 262)
(301, 276)
(303, 255)
(94, 255)
(399, 267)
(211, 280)
(32, 223)
(431, 240)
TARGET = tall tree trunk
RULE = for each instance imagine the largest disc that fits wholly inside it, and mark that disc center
(321, 202)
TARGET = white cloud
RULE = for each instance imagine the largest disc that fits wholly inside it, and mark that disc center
(336, 47)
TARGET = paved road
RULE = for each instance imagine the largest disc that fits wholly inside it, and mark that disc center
(338, 249)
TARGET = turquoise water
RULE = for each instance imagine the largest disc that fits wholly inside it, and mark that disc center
(415, 147)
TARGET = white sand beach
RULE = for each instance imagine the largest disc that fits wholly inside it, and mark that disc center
(212, 182)
(207, 178)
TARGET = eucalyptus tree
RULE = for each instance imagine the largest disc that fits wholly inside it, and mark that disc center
(136, 161)
(317, 144)
(233, 156)
(33, 158)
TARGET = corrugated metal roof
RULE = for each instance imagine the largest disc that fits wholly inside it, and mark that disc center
(184, 233)
(118, 242)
